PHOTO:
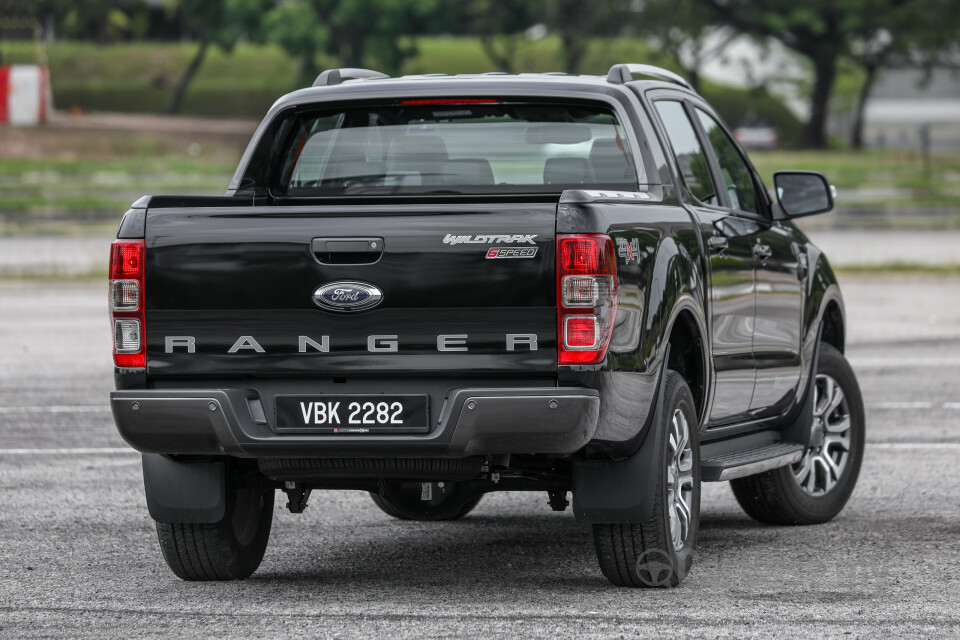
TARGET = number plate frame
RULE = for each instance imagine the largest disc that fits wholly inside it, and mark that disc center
(290, 412)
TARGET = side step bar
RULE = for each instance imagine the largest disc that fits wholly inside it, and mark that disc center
(739, 464)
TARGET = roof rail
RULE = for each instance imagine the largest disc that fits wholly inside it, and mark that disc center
(622, 73)
(331, 77)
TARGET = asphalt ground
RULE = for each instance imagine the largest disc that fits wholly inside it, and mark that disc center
(79, 558)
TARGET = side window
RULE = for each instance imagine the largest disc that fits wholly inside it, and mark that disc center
(735, 172)
(687, 150)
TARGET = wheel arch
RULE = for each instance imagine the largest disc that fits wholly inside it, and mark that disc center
(688, 355)
(833, 325)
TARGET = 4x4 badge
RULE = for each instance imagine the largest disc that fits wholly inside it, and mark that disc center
(628, 250)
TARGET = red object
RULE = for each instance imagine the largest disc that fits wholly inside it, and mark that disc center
(126, 263)
(429, 101)
(583, 333)
(580, 331)
(4, 94)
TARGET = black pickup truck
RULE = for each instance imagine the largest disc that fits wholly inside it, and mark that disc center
(433, 287)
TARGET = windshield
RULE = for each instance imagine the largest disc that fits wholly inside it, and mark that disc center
(456, 145)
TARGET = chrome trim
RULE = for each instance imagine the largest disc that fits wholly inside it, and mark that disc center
(583, 196)
(373, 293)
(760, 466)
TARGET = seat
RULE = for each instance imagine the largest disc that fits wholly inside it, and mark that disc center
(475, 171)
(567, 171)
(610, 164)
(342, 171)
(424, 153)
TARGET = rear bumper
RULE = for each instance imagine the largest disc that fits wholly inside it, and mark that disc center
(470, 422)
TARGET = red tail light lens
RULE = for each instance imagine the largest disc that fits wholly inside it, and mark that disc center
(126, 259)
(126, 303)
(586, 297)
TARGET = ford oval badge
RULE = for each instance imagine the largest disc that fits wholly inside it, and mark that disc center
(347, 296)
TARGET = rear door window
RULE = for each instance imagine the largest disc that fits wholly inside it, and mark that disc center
(736, 176)
(456, 145)
(688, 152)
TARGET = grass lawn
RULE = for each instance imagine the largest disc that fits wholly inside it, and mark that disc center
(898, 178)
(58, 179)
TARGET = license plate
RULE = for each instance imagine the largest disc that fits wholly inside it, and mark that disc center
(351, 414)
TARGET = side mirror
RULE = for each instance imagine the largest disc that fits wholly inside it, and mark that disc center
(802, 193)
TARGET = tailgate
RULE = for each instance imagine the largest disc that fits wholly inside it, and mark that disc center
(238, 290)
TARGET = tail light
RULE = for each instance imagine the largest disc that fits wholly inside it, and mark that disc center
(126, 303)
(586, 297)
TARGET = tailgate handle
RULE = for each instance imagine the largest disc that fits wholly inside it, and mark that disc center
(347, 250)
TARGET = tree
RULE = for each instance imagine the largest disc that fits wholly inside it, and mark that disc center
(683, 31)
(220, 23)
(578, 23)
(100, 20)
(820, 30)
(501, 27)
(356, 32)
(918, 34)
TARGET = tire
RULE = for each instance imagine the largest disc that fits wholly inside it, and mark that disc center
(659, 552)
(810, 491)
(231, 549)
(402, 500)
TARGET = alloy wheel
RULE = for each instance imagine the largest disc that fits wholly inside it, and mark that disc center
(679, 479)
(823, 463)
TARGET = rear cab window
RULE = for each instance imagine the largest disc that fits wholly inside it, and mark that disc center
(454, 146)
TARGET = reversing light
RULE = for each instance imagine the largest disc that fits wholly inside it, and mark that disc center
(586, 297)
(126, 303)
(126, 335)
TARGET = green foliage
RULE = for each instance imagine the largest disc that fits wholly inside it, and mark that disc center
(678, 29)
(357, 33)
(140, 77)
(99, 20)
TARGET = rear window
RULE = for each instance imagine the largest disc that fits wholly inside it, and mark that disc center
(455, 145)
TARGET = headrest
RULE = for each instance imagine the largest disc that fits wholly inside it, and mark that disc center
(417, 148)
(567, 171)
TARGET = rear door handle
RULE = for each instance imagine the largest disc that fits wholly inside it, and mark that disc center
(718, 243)
(762, 251)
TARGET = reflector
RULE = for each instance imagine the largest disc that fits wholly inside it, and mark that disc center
(580, 332)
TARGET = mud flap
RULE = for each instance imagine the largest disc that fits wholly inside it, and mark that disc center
(184, 492)
(623, 491)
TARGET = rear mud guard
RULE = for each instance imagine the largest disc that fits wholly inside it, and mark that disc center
(622, 491)
(184, 492)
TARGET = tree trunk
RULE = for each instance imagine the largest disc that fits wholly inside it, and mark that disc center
(574, 49)
(856, 135)
(181, 89)
(503, 61)
(306, 68)
(814, 134)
